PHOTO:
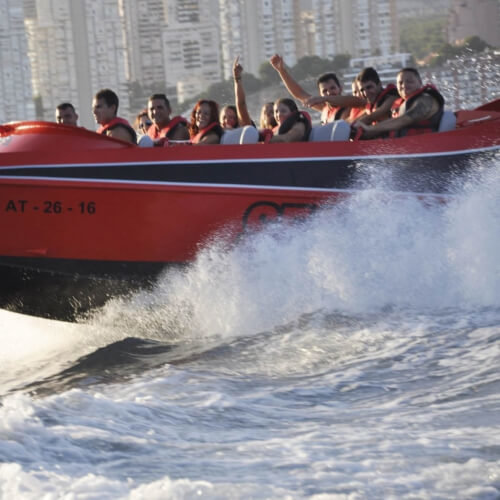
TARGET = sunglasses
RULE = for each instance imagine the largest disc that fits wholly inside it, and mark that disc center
(146, 124)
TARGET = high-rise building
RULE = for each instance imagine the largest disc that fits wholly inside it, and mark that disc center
(367, 27)
(190, 42)
(475, 18)
(15, 76)
(257, 29)
(77, 48)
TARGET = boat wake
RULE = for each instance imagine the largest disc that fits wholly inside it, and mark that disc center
(369, 260)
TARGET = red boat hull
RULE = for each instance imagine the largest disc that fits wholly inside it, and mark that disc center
(80, 206)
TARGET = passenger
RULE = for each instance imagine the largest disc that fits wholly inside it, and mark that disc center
(267, 120)
(356, 113)
(204, 127)
(66, 114)
(330, 102)
(293, 125)
(105, 108)
(418, 111)
(142, 122)
(380, 99)
(229, 117)
(164, 127)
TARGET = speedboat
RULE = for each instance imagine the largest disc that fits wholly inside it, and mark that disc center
(84, 216)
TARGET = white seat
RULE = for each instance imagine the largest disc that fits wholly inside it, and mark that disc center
(241, 135)
(448, 121)
(249, 135)
(338, 130)
(145, 141)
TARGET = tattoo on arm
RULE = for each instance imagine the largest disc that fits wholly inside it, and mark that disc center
(421, 109)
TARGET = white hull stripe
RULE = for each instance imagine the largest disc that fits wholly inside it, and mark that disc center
(215, 186)
(262, 160)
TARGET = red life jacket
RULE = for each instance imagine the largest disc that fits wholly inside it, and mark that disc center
(423, 126)
(204, 131)
(167, 131)
(389, 90)
(117, 122)
(331, 113)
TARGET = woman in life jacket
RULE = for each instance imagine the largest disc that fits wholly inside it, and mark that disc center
(420, 109)
(204, 127)
(293, 125)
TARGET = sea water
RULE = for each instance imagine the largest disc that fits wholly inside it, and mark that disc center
(353, 355)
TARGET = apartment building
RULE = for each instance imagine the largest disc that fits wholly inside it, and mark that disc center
(75, 49)
(475, 18)
(16, 93)
(190, 44)
(257, 29)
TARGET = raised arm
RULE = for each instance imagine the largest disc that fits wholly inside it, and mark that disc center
(239, 94)
(290, 83)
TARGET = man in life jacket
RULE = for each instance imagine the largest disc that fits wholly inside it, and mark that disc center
(164, 127)
(66, 114)
(379, 99)
(105, 108)
(330, 102)
(419, 109)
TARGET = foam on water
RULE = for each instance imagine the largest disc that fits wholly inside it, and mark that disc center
(366, 254)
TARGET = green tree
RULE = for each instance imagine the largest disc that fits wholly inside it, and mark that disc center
(423, 36)
(268, 75)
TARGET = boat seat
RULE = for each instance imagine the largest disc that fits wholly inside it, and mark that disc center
(242, 135)
(448, 121)
(249, 135)
(338, 130)
(145, 141)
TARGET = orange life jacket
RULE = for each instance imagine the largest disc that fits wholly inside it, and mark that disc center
(117, 122)
(167, 131)
(331, 113)
(204, 131)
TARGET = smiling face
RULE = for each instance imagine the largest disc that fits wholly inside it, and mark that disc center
(159, 112)
(329, 87)
(408, 83)
(203, 116)
(228, 118)
(370, 90)
(102, 112)
(281, 112)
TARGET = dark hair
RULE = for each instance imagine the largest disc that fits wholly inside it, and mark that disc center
(143, 112)
(214, 115)
(109, 97)
(161, 97)
(290, 103)
(410, 70)
(368, 75)
(232, 107)
(65, 105)
(328, 76)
